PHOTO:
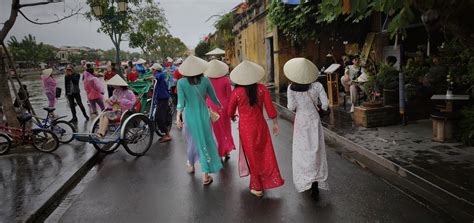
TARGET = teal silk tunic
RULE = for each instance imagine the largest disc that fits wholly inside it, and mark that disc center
(191, 98)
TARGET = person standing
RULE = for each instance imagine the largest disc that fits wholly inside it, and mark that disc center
(217, 74)
(133, 75)
(257, 156)
(94, 88)
(161, 100)
(193, 90)
(310, 168)
(109, 74)
(49, 86)
(73, 93)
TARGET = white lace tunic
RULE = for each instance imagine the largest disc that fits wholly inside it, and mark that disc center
(309, 153)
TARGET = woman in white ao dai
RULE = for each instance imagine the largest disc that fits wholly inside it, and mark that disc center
(310, 169)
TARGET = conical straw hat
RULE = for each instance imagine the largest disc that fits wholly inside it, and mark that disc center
(140, 61)
(46, 73)
(116, 81)
(247, 73)
(216, 69)
(301, 70)
(193, 66)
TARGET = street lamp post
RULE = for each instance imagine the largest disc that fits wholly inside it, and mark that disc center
(98, 7)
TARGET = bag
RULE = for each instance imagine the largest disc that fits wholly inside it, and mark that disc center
(212, 114)
(58, 92)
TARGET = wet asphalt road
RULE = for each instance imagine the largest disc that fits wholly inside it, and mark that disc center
(156, 188)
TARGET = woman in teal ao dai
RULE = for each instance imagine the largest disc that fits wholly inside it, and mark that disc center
(193, 90)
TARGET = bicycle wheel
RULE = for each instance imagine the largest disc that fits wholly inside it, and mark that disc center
(64, 131)
(5, 143)
(109, 147)
(44, 140)
(137, 134)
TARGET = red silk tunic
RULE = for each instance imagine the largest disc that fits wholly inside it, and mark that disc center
(255, 139)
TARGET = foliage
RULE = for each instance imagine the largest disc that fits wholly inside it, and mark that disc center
(113, 23)
(459, 60)
(466, 126)
(170, 47)
(109, 55)
(148, 24)
(201, 49)
(297, 22)
(415, 70)
(29, 50)
(224, 35)
(402, 11)
(388, 77)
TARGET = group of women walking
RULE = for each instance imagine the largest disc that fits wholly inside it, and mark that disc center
(205, 94)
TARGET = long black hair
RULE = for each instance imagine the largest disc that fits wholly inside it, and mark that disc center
(299, 87)
(251, 93)
(195, 80)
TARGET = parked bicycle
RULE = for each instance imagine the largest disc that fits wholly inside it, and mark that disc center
(62, 129)
(41, 139)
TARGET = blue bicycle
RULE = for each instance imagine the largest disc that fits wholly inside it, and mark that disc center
(62, 129)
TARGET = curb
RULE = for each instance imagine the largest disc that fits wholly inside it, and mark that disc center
(449, 206)
(59, 189)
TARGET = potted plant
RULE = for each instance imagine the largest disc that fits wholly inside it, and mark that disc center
(370, 89)
(388, 79)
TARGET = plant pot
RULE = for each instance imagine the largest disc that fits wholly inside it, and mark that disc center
(372, 104)
(390, 96)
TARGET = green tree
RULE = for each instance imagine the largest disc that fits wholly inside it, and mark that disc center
(149, 24)
(202, 48)
(224, 35)
(170, 46)
(297, 22)
(113, 23)
(30, 51)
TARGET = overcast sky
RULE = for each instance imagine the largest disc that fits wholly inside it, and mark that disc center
(187, 20)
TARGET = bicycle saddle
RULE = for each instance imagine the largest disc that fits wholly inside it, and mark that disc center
(24, 117)
(49, 110)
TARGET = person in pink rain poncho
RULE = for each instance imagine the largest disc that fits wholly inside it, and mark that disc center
(94, 88)
(49, 86)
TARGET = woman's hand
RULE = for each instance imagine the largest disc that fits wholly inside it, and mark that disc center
(179, 122)
(276, 127)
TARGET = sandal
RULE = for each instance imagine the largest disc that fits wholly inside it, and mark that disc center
(164, 139)
(208, 181)
(257, 193)
(189, 168)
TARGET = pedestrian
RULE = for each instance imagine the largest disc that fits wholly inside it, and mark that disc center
(49, 86)
(122, 100)
(217, 74)
(193, 90)
(310, 168)
(109, 74)
(94, 88)
(257, 156)
(161, 100)
(140, 67)
(73, 93)
(133, 75)
(169, 70)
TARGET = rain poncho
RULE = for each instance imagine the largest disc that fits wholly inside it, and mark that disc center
(49, 86)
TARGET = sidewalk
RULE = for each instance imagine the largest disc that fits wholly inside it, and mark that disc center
(31, 181)
(441, 174)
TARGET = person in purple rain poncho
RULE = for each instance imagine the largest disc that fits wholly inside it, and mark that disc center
(122, 100)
